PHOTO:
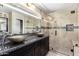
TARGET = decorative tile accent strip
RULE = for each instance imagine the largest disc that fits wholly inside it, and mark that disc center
(58, 28)
(76, 27)
(64, 27)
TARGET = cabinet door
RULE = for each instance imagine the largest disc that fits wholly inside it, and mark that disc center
(47, 44)
(18, 52)
(24, 51)
(29, 50)
(37, 49)
(44, 46)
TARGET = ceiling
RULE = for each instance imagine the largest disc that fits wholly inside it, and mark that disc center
(51, 7)
(47, 7)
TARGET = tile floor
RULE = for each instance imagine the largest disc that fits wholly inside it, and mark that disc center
(55, 53)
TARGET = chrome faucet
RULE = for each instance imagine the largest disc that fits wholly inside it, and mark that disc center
(4, 34)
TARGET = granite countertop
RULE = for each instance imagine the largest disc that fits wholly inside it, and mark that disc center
(28, 40)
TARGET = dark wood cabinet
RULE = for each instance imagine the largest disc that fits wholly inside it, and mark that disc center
(24, 51)
(38, 48)
(44, 46)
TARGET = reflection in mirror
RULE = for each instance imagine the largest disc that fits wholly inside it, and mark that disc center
(4, 24)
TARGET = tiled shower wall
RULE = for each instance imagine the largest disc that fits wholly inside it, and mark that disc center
(63, 41)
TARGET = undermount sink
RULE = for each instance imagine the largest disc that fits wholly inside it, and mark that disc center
(18, 38)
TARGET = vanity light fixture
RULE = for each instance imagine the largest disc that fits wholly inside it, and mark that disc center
(30, 6)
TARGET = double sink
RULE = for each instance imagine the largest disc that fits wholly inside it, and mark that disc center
(9, 45)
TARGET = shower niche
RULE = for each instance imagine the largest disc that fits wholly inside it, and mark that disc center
(70, 27)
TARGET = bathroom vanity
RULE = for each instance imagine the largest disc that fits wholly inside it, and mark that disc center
(32, 46)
